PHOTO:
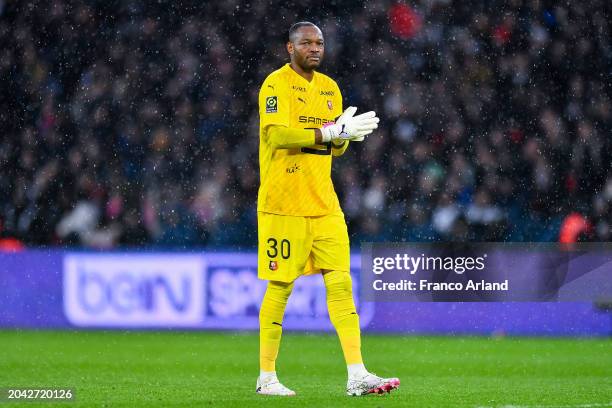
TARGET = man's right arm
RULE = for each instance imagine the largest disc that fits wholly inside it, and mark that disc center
(282, 137)
(274, 117)
(339, 134)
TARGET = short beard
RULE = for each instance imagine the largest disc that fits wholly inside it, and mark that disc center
(309, 68)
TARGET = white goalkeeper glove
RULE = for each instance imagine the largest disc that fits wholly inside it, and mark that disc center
(349, 127)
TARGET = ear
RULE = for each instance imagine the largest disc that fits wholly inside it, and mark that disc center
(290, 47)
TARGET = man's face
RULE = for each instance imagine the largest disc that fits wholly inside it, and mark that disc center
(306, 47)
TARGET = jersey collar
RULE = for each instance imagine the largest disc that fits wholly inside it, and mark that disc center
(314, 76)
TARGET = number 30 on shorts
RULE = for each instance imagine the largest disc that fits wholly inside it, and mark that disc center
(274, 247)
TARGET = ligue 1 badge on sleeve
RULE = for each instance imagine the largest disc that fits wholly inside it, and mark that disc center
(273, 265)
(329, 104)
(271, 104)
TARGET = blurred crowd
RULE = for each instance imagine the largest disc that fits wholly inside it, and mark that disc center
(135, 123)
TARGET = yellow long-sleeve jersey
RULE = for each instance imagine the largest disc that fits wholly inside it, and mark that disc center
(295, 173)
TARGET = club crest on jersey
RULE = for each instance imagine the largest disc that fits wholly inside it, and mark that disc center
(273, 265)
(329, 104)
(271, 104)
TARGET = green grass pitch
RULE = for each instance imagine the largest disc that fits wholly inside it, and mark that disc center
(203, 369)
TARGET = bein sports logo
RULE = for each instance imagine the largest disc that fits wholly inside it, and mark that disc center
(134, 290)
(235, 294)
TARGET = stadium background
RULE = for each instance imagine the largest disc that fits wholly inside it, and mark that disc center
(132, 126)
(135, 123)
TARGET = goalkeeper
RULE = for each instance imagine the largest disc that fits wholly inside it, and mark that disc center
(301, 228)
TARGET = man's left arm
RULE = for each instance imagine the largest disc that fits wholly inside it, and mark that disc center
(338, 150)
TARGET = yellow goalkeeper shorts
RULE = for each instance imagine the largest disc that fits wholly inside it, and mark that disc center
(292, 246)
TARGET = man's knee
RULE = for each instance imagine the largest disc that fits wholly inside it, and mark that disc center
(338, 283)
(275, 300)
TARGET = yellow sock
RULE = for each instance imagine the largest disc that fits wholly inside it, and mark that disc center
(270, 323)
(343, 314)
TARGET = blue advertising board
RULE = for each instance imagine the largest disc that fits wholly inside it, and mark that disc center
(200, 290)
